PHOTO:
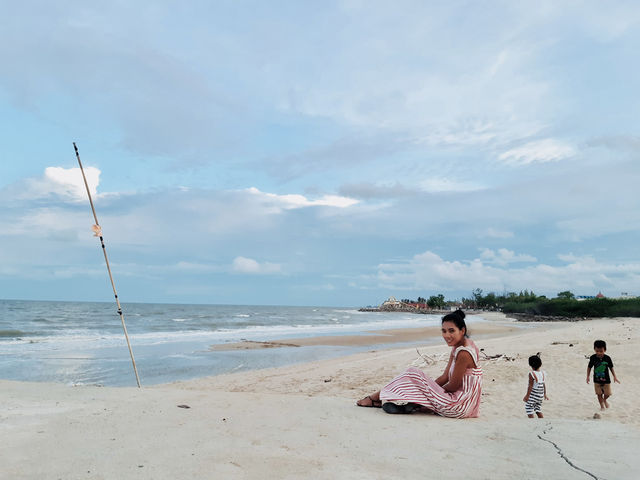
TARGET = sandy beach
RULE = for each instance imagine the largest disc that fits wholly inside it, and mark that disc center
(301, 421)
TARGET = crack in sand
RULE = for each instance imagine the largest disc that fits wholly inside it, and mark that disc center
(564, 457)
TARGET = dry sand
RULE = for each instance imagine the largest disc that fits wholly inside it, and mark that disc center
(301, 422)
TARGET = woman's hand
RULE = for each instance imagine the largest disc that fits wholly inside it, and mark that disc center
(444, 378)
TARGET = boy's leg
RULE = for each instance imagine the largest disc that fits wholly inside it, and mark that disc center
(600, 394)
(539, 414)
(530, 415)
(606, 389)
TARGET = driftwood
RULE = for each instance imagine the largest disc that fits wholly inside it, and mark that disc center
(426, 360)
(268, 344)
(497, 356)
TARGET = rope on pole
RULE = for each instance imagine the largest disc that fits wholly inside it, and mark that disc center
(98, 233)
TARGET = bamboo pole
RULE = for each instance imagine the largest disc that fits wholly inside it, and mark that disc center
(98, 233)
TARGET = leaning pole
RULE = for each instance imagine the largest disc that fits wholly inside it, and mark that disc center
(98, 233)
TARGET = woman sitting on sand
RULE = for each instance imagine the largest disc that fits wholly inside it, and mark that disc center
(455, 393)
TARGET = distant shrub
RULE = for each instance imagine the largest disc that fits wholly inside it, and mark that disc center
(566, 307)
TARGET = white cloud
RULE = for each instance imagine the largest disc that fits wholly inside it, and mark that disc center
(503, 256)
(251, 266)
(66, 183)
(582, 275)
(539, 151)
(292, 201)
(46, 222)
(70, 181)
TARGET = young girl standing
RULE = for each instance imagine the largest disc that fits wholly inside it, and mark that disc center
(537, 389)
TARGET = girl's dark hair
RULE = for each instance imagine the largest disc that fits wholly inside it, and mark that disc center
(535, 362)
(457, 318)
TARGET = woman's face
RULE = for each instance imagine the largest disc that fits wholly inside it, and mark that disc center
(452, 334)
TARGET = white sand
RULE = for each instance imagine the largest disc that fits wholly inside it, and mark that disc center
(301, 422)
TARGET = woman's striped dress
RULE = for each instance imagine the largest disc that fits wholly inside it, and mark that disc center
(414, 386)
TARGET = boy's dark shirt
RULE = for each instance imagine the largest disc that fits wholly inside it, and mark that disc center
(601, 368)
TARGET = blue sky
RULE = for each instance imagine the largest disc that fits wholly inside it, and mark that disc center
(319, 153)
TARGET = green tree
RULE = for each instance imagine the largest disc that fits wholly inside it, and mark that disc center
(436, 301)
(477, 297)
(490, 300)
(566, 294)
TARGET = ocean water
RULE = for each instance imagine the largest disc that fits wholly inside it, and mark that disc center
(83, 343)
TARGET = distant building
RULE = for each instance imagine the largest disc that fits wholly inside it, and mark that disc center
(584, 297)
(418, 305)
(391, 302)
(625, 296)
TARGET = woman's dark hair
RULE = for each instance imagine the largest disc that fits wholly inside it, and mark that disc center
(457, 318)
(535, 362)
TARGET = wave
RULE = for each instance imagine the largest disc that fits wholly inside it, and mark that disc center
(222, 335)
(14, 334)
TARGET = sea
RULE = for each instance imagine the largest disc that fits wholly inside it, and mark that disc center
(82, 343)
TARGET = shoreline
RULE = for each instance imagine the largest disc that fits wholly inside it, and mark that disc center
(300, 421)
(386, 338)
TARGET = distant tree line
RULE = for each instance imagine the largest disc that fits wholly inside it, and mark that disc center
(435, 301)
(564, 304)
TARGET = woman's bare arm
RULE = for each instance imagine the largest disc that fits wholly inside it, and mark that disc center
(463, 362)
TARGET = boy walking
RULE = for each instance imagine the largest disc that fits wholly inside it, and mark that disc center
(601, 364)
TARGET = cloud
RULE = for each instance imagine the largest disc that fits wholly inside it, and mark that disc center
(370, 191)
(435, 184)
(293, 201)
(582, 274)
(45, 222)
(65, 183)
(252, 267)
(70, 181)
(504, 257)
(349, 151)
(210, 87)
(496, 233)
(539, 151)
(628, 143)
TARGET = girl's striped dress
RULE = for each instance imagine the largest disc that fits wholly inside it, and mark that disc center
(534, 404)
(414, 386)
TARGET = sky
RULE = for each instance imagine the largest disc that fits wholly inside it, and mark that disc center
(319, 153)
